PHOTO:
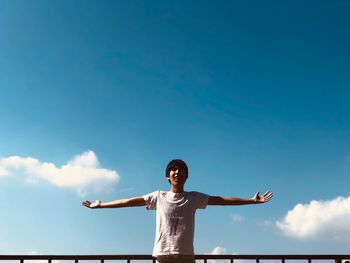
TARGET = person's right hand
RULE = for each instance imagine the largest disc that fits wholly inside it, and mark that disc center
(264, 198)
(95, 204)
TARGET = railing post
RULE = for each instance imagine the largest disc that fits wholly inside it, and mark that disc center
(232, 260)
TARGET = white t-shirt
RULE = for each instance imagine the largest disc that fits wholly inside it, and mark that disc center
(175, 220)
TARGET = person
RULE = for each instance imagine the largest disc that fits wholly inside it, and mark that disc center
(175, 213)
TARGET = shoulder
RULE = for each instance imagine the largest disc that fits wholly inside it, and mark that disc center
(152, 194)
(199, 199)
(196, 194)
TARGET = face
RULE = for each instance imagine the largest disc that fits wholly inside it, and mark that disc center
(177, 176)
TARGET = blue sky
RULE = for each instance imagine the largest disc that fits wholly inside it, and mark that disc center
(97, 97)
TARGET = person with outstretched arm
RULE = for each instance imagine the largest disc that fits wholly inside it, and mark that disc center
(175, 213)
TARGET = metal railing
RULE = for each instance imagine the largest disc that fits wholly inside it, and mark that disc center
(337, 258)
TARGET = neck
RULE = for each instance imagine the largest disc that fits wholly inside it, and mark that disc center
(176, 189)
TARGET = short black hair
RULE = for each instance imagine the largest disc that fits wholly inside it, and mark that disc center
(176, 163)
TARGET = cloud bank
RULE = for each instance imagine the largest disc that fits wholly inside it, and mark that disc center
(318, 220)
(82, 174)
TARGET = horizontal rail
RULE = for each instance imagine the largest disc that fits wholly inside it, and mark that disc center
(200, 256)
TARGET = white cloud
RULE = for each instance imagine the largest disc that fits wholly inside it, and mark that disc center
(83, 173)
(217, 251)
(236, 218)
(222, 251)
(318, 220)
(266, 223)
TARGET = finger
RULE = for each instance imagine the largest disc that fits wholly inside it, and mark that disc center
(267, 192)
(86, 203)
(268, 195)
(268, 198)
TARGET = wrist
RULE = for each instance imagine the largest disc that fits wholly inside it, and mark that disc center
(253, 200)
(98, 204)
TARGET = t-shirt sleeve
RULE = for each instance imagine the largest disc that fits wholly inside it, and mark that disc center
(201, 200)
(151, 200)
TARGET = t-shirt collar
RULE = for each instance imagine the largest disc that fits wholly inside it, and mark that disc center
(174, 195)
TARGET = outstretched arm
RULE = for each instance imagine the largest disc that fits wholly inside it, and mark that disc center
(129, 202)
(257, 199)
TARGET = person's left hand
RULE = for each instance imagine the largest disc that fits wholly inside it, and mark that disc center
(89, 204)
